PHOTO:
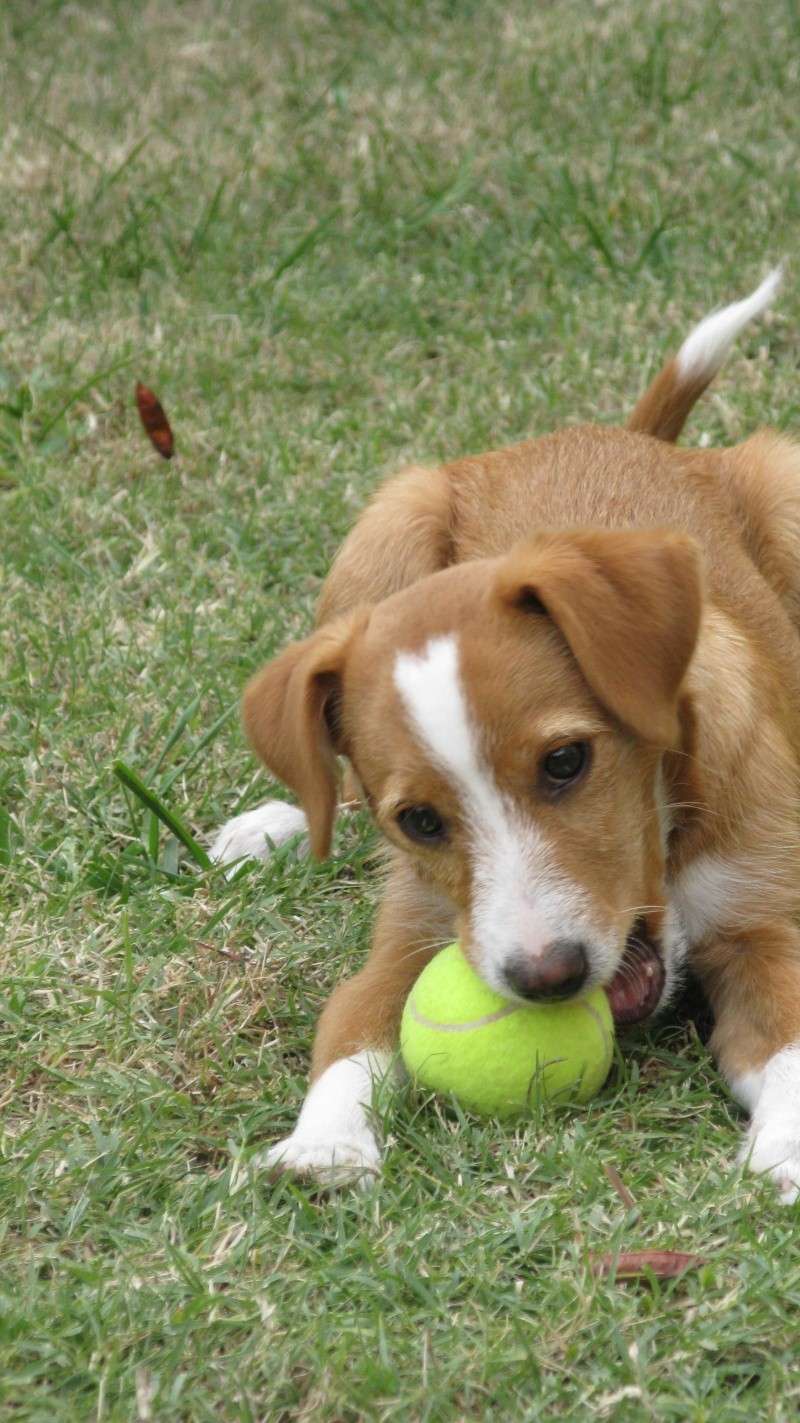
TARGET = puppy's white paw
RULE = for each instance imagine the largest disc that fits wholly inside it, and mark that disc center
(330, 1160)
(772, 1145)
(334, 1142)
(774, 1152)
(254, 835)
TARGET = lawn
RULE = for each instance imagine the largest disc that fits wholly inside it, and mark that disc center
(333, 237)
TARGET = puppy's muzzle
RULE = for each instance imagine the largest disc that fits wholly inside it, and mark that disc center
(559, 972)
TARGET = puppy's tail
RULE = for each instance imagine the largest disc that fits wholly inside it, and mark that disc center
(663, 408)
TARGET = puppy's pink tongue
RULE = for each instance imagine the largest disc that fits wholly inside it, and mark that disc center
(635, 990)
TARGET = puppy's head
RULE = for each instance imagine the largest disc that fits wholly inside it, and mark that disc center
(508, 719)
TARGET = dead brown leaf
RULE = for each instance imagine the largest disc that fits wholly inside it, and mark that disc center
(155, 422)
(638, 1264)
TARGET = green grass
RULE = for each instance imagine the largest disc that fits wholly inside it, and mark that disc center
(333, 237)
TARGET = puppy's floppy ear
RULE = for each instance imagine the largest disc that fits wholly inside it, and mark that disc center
(291, 715)
(628, 605)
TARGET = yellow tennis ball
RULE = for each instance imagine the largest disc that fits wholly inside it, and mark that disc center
(501, 1058)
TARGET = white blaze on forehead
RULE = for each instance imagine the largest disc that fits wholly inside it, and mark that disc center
(430, 688)
(520, 902)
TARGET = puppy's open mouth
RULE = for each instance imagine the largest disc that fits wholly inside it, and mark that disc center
(635, 990)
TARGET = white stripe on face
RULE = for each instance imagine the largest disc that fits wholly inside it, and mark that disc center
(520, 903)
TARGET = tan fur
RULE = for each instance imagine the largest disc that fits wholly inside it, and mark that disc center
(628, 605)
(665, 405)
(763, 475)
(670, 585)
(284, 712)
(411, 914)
(753, 982)
(402, 535)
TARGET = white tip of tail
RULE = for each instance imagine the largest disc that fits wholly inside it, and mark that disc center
(705, 348)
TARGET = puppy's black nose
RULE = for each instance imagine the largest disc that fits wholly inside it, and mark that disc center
(559, 972)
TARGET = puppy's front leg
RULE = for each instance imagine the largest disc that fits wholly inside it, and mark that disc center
(753, 982)
(334, 1140)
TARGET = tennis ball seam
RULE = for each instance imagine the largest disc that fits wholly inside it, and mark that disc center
(488, 1018)
(468, 1027)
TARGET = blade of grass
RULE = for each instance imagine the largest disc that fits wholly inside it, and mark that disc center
(598, 239)
(205, 220)
(152, 837)
(168, 817)
(304, 245)
(176, 733)
(109, 179)
(649, 244)
(62, 223)
(200, 745)
(40, 93)
(317, 103)
(444, 197)
(168, 863)
(5, 836)
(81, 390)
(70, 143)
(52, 542)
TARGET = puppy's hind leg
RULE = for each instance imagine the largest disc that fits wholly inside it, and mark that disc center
(762, 478)
(256, 833)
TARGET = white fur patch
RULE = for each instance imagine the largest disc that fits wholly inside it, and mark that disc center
(430, 686)
(772, 1145)
(706, 347)
(521, 903)
(334, 1140)
(725, 892)
(705, 892)
(254, 835)
(746, 1088)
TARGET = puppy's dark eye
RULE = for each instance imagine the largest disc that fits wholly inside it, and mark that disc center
(565, 763)
(423, 824)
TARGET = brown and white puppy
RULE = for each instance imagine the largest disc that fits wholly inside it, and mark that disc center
(566, 677)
